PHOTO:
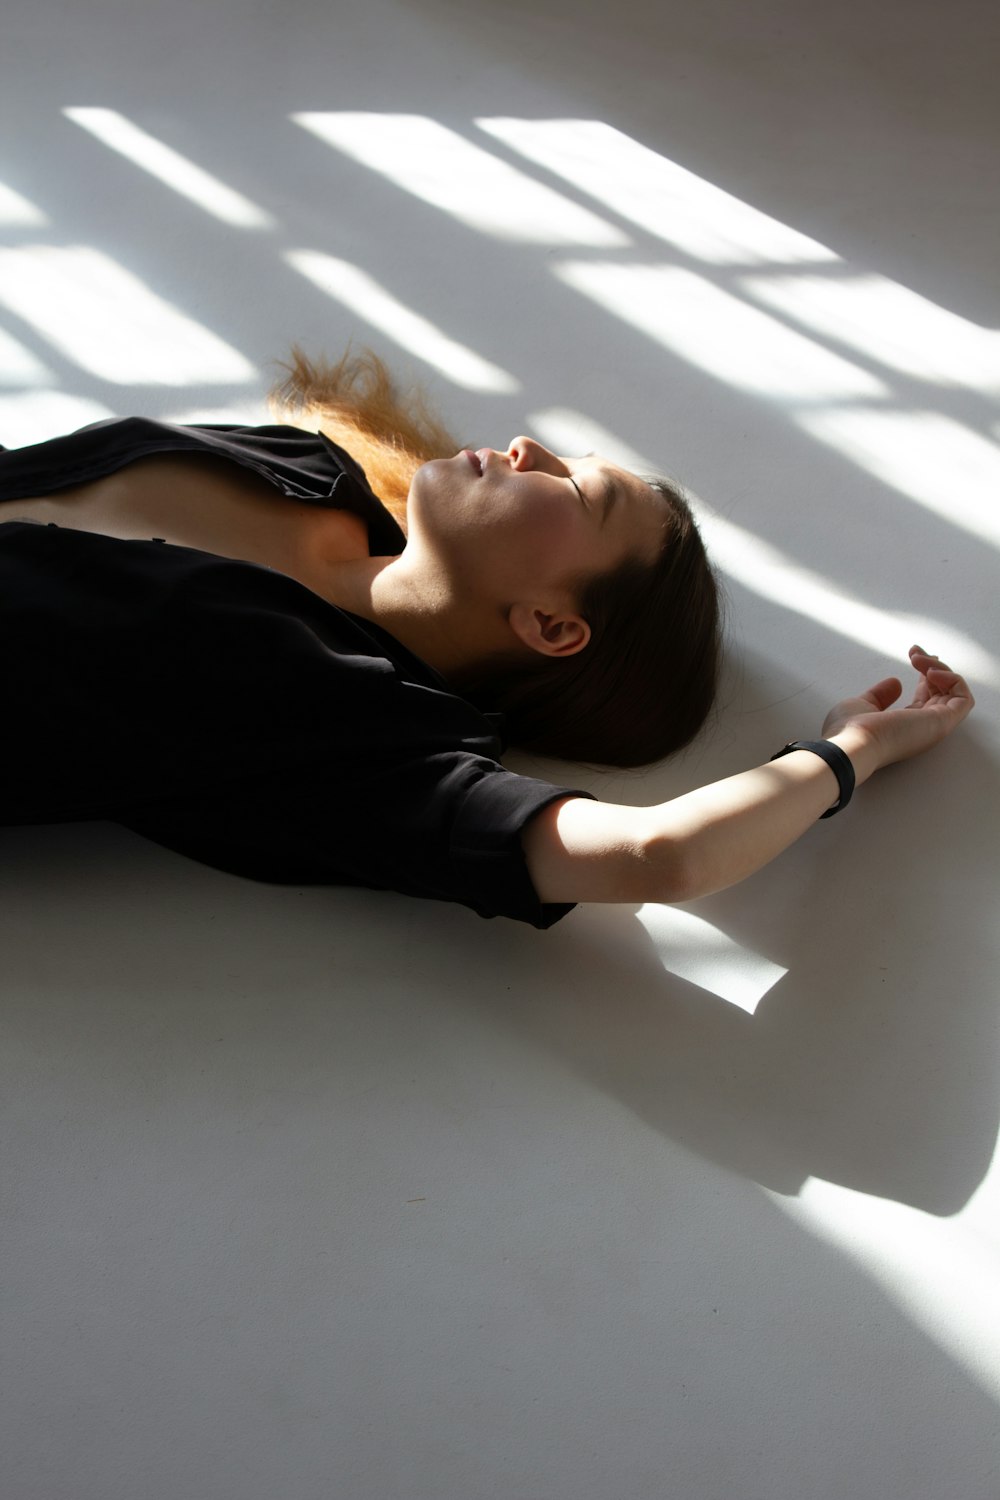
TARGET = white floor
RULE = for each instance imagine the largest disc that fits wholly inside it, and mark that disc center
(323, 1193)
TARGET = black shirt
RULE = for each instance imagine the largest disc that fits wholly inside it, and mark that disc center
(227, 712)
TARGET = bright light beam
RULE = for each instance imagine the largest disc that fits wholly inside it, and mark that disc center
(703, 954)
(441, 167)
(110, 323)
(564, 430)
(18, 366)
(720, 334)
(35, 416)
(253, 414)
(940, 1272)
(171, 168)
(927, 457)
(17, 211)
(889, 323)
(650, 190)
(364, 296)
(771, 574)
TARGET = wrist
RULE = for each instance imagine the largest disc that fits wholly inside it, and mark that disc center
(860, 749)
(837, 762)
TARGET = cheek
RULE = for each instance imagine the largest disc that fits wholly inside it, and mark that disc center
(551, 534)
(559, 531)
(491, 528)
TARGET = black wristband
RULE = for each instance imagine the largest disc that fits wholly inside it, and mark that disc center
(838, 761)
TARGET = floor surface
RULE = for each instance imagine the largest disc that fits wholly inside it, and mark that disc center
(320, 1193)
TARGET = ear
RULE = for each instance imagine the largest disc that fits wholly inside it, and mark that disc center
(561, 633)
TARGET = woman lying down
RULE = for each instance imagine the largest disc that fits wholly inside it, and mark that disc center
(298, 656)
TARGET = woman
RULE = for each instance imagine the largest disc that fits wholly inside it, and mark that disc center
(328, 713)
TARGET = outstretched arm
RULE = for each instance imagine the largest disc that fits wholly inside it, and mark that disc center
(713, 837)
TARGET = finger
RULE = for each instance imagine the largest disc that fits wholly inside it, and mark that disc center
(884, 693)
(928, 665)
(938, 678)
(942, 690)
(919, 655)
(944, 680)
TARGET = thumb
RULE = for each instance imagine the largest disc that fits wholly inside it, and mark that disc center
(885, 692)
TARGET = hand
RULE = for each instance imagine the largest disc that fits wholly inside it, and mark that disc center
(940, 703)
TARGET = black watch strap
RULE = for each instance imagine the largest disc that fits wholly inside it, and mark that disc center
(838, 761)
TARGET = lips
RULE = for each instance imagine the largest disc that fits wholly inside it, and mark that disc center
(474, 460)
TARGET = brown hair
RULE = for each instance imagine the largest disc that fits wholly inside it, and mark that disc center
(358, 405)
(644, 684)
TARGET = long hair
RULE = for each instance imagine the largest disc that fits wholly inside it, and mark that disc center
(645, 682)
(358, 405)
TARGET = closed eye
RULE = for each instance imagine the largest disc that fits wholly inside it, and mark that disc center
(609, 492)
(577, 488)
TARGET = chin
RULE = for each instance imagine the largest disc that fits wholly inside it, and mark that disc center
(440, 487)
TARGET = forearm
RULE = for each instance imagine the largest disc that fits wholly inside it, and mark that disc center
(691, 846)
(728, 830)
(706, 840)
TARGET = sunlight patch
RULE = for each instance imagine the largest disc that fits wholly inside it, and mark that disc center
(701, 953)
(18, 366)
(442, 168)
(719, 334)
(170, 167)
(566, 431)
(100, 315)
(410, 330)
(942, 1273)
(929, 458)
(650, 190)
(36, 416)
(253, 414)
(17, 211)
(771, 574)
(889, 323)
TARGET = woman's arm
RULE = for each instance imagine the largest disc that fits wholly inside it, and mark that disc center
(578, 850)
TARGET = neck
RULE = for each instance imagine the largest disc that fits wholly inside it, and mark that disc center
(421, 612)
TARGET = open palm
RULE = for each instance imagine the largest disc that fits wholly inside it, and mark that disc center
(941, 701)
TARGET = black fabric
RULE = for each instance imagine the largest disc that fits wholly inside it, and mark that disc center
(838, 762)
(306, 466)
(227, 712)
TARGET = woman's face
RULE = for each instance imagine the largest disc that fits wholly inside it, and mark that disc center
(511, 524)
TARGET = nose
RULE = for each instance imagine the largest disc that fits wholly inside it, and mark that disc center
(524, 454)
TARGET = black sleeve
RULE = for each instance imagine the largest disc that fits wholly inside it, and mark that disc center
(228, 713)
(446, 826)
